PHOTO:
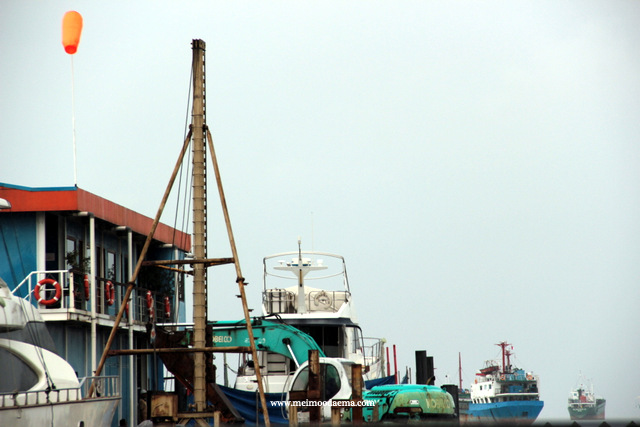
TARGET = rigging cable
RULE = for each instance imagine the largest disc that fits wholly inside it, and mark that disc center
(35, 342)
(175, 223)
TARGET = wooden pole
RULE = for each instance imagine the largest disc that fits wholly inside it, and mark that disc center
(293, 416)
(388, 363)
(143, 253)
(240, 280)
(336, 412)
(199, 227)
(395, 363)
(356, 394)
(314, 387)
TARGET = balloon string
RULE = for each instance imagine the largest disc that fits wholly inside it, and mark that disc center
(73, 125)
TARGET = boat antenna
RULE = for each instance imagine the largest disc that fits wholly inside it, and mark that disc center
(301, 299)
(73, 127)
(459, 371)
(71, 31)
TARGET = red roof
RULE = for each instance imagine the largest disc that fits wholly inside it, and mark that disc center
(74, 199)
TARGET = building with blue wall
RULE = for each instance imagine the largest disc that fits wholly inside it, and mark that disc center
(90, 246)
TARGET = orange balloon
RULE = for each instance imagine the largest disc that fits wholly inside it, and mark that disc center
(71, 30)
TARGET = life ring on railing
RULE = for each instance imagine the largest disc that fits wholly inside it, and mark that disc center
(45, 282)
(167, 307)
(322, 299)
(150, 303)
(110, 292)
(86, 287)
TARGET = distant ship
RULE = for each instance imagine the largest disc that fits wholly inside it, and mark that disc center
(583, 404)
(504, 393)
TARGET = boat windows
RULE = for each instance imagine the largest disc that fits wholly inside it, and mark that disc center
(34, 333)
(329, 338)
(330, 386)
(300, 384)
(19, 378)
(357, 341)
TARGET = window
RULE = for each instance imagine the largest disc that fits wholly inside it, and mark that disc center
(300, 384)
(332, 382)
(19, 378)
(110, 265)
(330, 387)
(71, 252)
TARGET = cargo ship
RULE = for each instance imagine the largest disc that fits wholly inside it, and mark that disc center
(583, 403)
(504, 393)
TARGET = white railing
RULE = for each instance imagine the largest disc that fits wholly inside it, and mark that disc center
(106, 386)
(279, 301)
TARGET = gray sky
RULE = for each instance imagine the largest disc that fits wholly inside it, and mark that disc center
(475, 162)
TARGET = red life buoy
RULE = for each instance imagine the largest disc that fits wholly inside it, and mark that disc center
(56, 297)
(150, 303)
(110, 293)
(86, 287)
(167, 307)
(126, 310)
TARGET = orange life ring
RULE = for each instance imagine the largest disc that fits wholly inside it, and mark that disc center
(110, 292)
(167, 307)
(56, 297)
(86, 286)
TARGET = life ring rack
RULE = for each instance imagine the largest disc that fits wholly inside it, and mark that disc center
(50, 301)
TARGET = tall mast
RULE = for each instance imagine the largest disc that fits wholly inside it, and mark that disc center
(302, 306)
(300, 268)
(199, 224)
(505, 354)
(200, 134)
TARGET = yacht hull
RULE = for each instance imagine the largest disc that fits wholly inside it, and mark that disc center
(522, 411)
(95, 412)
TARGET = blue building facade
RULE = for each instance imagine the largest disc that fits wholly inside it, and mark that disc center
(90, 247)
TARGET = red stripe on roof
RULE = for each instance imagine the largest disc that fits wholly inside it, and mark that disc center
(72, 199)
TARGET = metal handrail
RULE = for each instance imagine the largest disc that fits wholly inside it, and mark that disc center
(110, 387)
(70, 301)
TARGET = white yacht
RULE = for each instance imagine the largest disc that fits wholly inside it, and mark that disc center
(325, 311)
(37, 386)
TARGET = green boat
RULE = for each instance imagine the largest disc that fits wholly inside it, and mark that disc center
(583, 403)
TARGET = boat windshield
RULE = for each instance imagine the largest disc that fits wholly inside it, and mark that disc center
(34, 333)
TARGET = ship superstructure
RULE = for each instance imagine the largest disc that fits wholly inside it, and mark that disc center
(504, 393)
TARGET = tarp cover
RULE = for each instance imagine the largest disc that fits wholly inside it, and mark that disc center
(380, 381)
(247, 403)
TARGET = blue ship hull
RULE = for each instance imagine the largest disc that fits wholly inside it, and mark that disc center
(522, 410)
